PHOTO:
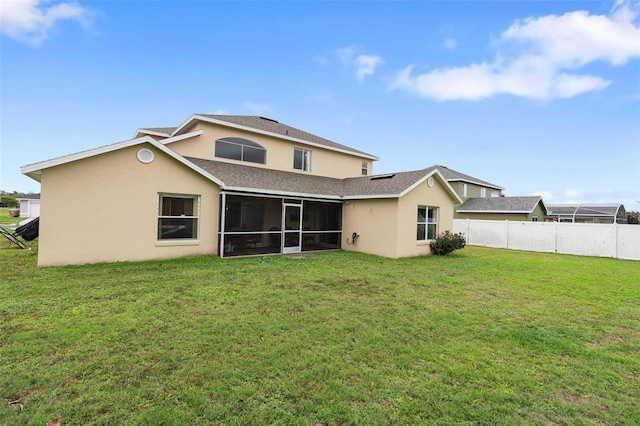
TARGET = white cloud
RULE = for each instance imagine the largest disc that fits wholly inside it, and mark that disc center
(450, 44)
(366, 65)
(30, 22)
(363, 64)
(572, 193)
(550, 49)
(546, 196)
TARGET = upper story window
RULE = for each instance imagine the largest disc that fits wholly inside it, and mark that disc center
(241, 149)
(365, 168)
(302, 159)
(483, 192)
(463, 188)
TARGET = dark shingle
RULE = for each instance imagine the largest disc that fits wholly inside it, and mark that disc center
(261, 179)
(272, 126)
(452, 175)
(164, 130)
(500, 204)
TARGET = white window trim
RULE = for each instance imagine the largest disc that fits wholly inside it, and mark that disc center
(178, 241)
(464, 189)
(365, 168)
(426, 222)
(306, 159)
(483, 192)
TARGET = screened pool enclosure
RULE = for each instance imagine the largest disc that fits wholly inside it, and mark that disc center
(253, 225)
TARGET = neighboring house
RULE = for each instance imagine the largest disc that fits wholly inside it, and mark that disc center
(29, 205)
(231, 186)
(531, 209)
(485, 201)
(586, 213)
(469, 187)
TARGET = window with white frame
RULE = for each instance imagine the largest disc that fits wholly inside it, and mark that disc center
(240, 149)
(365, 168)
(178, 216)
(302, 159)
(463, 187)
(427, 223)
(483, 192)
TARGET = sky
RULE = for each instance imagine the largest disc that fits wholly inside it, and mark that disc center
(538, 97)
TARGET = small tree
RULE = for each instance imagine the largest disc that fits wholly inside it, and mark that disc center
(633, 218)
(447, 242)
(9, 201)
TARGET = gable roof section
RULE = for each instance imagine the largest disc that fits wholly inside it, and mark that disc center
(269, 127)
(243, 178)
(393, 184)
(501, 205)
(452, 175)
(34, 170)
(155, 131)
(238, 177)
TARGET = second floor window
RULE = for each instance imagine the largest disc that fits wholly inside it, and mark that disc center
(302, 159)
(483, 192)
(365, 168)
(241, 149)
(463, 188)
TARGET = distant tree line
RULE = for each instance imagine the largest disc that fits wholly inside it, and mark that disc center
(10, 199)
(633, 218)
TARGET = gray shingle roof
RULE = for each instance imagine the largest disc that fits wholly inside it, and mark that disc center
(453, 175)
(387, 184)
(501, 204)
(276, 181)
(273, 126)
(164, 130)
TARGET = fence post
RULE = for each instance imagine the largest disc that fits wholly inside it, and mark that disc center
(507, 223)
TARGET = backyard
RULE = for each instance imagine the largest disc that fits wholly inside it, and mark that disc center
(482, 336)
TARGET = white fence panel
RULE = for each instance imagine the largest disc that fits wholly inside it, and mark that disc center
(628, 242)
(585, 239)
(489, 234)
(532, 236)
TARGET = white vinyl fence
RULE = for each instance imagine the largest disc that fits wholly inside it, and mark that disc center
(586, 239)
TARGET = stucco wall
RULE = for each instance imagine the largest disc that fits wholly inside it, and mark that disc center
(324, 162)
(104, 209)
(375, 221)
(388, 227)
(423, 195)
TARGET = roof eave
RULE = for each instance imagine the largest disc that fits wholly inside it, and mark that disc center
(34, 171)
(277, 192)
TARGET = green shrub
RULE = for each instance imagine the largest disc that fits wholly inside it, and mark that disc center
(447, 242)
(9, 201)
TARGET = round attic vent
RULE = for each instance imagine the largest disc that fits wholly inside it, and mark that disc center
(145, 155)
(430, 181)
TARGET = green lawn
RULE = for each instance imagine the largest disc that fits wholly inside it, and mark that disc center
(482, 336)
(5, 218)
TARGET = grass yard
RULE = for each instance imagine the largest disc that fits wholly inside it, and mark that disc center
(483, 336)
(5, 218)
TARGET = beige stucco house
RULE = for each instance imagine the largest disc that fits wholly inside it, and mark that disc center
(232, 186)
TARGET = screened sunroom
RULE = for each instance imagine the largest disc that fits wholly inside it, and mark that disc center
(255, 225)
